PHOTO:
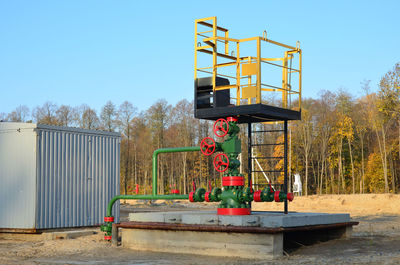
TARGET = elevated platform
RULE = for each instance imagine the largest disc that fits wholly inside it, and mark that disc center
(249, 113)
(262, 235)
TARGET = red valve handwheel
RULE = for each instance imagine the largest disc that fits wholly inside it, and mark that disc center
(206, 147)
(221, 125)
(221, 162)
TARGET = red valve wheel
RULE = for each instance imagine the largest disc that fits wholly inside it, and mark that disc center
(207, 146)
(221, 127)
(221, 162)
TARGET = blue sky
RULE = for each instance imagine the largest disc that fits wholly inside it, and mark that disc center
(73, 52)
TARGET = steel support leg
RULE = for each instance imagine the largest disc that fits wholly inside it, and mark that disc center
(285, 164)
(249, 155)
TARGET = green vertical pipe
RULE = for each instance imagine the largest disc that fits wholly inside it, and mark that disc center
(143, 197)
(167, 150)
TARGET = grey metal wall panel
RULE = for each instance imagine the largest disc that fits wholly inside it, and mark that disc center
(17, 175)
(77, 175)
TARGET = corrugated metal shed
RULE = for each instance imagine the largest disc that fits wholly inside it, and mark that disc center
(53, 177)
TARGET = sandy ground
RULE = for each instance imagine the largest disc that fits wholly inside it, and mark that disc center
(376, 240)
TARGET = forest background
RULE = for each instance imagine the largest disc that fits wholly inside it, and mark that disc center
(342, 145)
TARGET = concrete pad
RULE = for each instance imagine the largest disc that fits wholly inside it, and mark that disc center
(258, 219)
(50, 235)
(174, 218)
(199, 219)
(147, 217)
(68, 234)
(241, 220)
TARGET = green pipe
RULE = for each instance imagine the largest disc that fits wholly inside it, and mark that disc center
(168, 150)
(143, 197)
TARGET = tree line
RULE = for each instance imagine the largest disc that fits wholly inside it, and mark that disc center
(342, 145)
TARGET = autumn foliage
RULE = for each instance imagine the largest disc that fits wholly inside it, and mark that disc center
(343, 144)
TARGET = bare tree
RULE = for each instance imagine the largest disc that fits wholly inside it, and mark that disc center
(306, 142)
(65, 115)
(20, 114)
(125, 114)
(86, 117)
(3, 116)
(45, 114)
(157, 120)
(324, 123)
(89, 119)
(107, 116)
(183, 118)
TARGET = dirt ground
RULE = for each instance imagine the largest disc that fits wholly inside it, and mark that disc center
(376, 240)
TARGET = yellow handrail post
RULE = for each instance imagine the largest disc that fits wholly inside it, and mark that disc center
(237, 74)
(258, 98)
(214, 52)
(195, 50)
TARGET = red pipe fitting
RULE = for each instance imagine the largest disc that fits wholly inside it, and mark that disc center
(175, 191)
(257, 196)
(231, 119)
(276, 196)
(109, 219)
(232, 181)
(191, 194)
(233, 211)
(207, 196)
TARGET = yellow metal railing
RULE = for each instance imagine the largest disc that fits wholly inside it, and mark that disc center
(247, 67)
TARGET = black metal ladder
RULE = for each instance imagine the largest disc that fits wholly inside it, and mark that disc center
(284, 187)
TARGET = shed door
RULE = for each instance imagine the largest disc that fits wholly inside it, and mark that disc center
(18, 178)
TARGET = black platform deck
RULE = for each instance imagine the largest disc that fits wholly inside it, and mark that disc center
(249, 113)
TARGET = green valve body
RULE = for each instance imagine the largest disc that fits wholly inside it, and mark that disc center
(234, 194)
(234, 198)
